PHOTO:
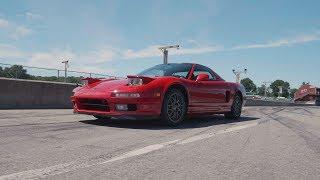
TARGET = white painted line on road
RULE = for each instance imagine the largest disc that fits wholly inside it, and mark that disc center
(68, 167)
(141, 151)
(209, 135)
(237, 128)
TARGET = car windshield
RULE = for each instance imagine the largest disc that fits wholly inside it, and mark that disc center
(177, 70)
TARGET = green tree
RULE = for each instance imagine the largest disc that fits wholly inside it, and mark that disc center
(261, 90)
(292, 91)
(275, 88)
(249, 85)
(15, 71)
(1, 72)
(73, 79)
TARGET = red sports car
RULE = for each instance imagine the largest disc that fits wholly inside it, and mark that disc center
(169, 91)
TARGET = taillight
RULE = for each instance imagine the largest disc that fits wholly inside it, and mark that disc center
(88, 80)
(138, 80)
(84, 82)
(135, 81)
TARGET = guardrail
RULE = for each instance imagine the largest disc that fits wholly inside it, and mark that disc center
(46, 74)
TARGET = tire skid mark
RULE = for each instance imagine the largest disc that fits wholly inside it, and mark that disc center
(312, 140)
(35, 124)
(303, 114)
(3, 116)
(246, 142)
(267, 116)
(76, 165)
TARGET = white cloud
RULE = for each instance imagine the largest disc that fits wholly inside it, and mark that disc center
(153, 51)
(4, 23)
(8, 51)
(33, 16)
(95, 60)
(194, 42)
(17, 31)
(197, 50)
(282, 42)
(101, 55)
(94, 69)
(51, 59)
(20, 32)
(150, 51)
(85, 62)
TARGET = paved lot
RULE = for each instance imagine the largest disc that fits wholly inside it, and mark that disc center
(266, 143)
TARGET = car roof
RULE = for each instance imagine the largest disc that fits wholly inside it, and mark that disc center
(180, 63)
(189, 64)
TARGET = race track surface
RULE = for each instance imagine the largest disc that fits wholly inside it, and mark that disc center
(266, 143)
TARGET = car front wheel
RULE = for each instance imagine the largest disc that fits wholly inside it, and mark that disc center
(236, 108)
(174, 108)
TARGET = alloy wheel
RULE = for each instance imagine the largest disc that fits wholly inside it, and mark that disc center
(176, 107)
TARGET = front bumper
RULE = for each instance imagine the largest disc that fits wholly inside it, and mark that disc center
(145, 106)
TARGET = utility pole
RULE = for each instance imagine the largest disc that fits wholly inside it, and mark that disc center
(280, 91)
(265, 87)
(165, 52)
(238, 74)
(66, 66)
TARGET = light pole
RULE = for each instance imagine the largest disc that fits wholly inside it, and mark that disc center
(66, 66)
(265, 88)
(280, 91)
(165, 52)
(238, 74)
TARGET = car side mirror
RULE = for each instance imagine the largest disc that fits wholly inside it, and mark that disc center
(202, 77)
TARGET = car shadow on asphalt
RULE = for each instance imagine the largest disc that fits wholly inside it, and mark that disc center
(156, 124)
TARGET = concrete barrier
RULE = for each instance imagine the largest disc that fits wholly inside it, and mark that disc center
(30, 94)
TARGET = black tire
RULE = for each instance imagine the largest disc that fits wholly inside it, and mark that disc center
(102, 117)
(236, 108)
(174, 107)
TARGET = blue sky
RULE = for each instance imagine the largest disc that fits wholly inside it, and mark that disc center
(274, 39)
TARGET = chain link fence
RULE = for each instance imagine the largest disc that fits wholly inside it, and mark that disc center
(46, 74)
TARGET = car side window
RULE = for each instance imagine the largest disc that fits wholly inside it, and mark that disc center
(203, 70)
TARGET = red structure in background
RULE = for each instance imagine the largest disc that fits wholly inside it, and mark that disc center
(308, 93)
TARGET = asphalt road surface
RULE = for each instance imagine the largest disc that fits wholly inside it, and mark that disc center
(266, 143)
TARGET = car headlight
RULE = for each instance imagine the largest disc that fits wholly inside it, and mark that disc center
(126, 95)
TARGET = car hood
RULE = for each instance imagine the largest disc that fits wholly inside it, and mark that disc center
(104, 87)
(108, 85)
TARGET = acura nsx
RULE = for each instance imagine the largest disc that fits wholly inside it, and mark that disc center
(169, 92)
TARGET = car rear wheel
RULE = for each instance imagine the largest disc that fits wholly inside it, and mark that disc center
(102, 117)
(174, 108)
(236, 108)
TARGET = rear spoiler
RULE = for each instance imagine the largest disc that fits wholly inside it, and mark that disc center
(90, 80)
(145, 79)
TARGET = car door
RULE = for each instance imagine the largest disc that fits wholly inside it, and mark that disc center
(207, 96)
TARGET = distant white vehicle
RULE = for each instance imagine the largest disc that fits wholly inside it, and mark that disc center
(251, 95)
(282, 98)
